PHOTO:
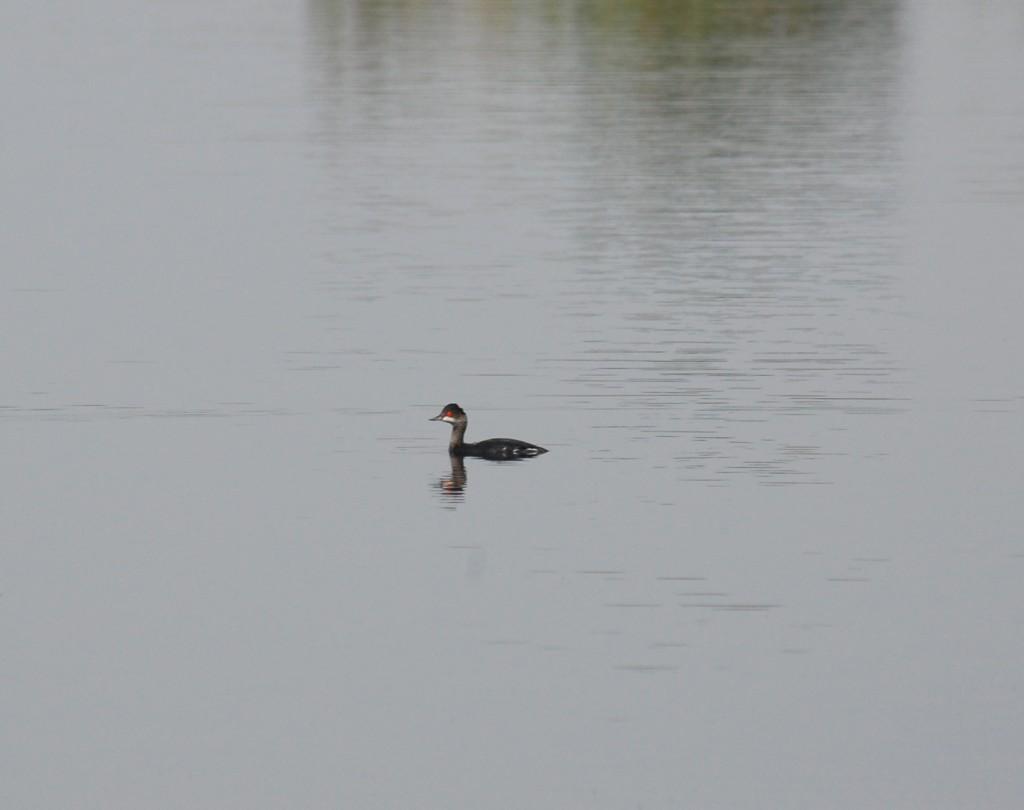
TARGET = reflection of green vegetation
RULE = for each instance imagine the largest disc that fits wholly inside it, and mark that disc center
(699, 19)
(654, 19)
(610, 32)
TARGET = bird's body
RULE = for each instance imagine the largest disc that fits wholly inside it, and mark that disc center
(497, 449)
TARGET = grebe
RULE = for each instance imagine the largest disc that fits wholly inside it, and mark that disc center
(489, 448)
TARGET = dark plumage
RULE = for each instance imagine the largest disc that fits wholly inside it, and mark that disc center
(489, 448)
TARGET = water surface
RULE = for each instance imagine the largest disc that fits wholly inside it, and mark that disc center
(750, 272)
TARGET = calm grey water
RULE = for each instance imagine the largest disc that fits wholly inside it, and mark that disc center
(752, 273)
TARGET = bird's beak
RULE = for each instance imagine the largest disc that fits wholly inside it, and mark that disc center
(437, 418)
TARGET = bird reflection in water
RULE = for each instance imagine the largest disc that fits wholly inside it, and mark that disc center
(452, 486)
